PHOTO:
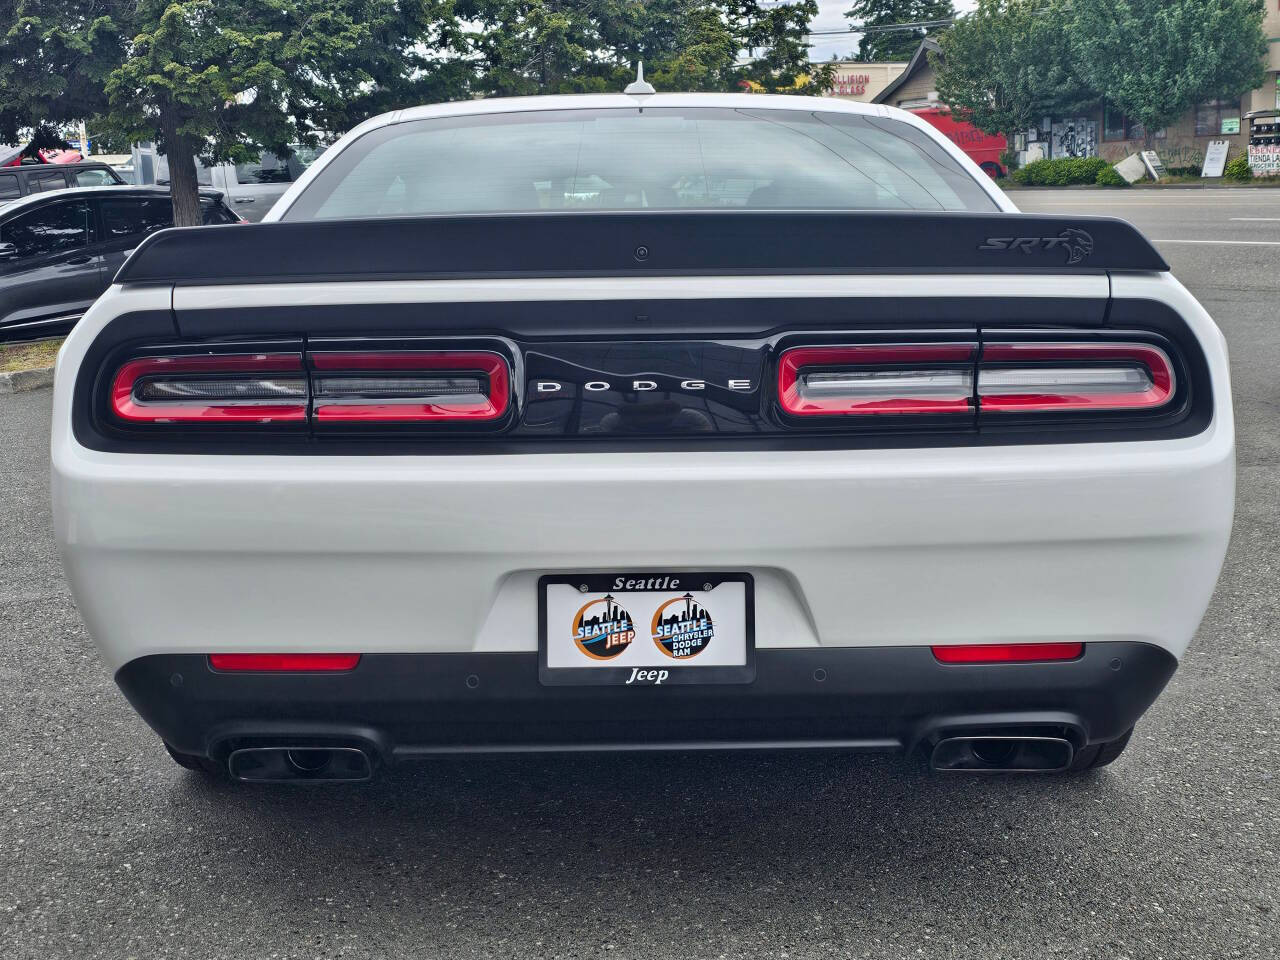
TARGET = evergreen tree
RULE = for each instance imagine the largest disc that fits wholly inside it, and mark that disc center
(892, 46)
(215, 79)
(775, 38)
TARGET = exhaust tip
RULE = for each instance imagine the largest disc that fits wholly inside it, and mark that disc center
(300, 764)
(1002, 754)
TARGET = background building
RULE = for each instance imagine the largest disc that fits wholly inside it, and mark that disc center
(1105, 131)
(863, 81)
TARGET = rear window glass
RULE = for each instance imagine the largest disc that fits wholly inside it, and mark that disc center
(622, 159)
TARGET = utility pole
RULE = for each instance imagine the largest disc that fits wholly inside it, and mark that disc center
(84, 141)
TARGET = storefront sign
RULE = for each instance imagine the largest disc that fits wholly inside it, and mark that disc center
(1264, 160)
(1215, 159)
(851, 85)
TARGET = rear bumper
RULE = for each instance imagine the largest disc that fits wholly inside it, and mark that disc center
(871, 698)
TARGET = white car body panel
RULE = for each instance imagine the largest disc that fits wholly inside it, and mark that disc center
(1107, 541)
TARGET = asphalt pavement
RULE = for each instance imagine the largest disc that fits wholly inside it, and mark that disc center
(107, 849)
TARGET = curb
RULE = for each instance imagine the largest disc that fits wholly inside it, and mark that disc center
(21, 380)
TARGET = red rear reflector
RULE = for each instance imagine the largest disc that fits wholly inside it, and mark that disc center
(908, 378)
(1008, 652)
(1038, 377)
(410, 386)
(232, 387)
(284, 662)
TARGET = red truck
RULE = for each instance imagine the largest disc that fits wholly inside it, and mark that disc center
(983, 148)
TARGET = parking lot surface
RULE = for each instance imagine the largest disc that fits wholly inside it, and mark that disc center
(107, 849)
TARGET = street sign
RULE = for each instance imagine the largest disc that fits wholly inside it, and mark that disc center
(1215, 159)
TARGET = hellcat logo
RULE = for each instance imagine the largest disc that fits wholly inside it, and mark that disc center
(602, 629)
(1076, 243)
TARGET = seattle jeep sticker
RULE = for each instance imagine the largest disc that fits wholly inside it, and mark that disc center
(602, 629)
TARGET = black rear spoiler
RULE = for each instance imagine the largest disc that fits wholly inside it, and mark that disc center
(638, 244)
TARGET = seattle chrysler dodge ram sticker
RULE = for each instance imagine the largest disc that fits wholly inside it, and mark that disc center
(682, 627)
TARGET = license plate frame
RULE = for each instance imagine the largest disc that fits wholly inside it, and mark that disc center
(644, 668)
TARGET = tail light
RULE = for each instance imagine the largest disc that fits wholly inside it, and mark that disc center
(411, 386)
(257, 388)
(284, 662)
(1008, 652)
(875, 379)
(1088, 377)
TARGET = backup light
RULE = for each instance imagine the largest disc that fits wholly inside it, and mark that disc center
(913, 378)
(1092, 377)
(409, 386)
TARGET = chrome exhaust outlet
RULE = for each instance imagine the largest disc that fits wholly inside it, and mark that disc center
(1002, 754)
(300, 764)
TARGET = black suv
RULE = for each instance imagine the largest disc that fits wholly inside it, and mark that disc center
(24, 180)
(59, 251)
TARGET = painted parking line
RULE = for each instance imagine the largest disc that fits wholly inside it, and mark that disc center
(1256, 219)
(1232, 243)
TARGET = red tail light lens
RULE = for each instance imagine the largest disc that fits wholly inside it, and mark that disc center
(911, 378)
(228, 388)
(1090, 377)
(410, 386)
(1008, 652)
(284, 662)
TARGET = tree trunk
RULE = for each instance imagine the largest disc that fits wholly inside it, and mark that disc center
(184, 188)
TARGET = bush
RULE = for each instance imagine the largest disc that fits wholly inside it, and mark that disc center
(1062, 172)
(1009, 159)
(1238, 168)
(1194, 170)
(1107, 177)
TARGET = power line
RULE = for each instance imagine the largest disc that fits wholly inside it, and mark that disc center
(882, 28)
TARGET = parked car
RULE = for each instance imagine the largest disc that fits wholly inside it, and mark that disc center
(251, 188)
(643, 422)
(34, 178)
(59, 250)
(982, 148)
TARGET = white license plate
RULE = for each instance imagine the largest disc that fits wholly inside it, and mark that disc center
(646, 629)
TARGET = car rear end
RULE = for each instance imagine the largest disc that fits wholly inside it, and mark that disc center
(332, 494)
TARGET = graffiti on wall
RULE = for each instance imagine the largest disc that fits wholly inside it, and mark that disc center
(1174, 153)
(1074, 138)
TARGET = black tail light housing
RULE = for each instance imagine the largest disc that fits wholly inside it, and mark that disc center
(838, 388)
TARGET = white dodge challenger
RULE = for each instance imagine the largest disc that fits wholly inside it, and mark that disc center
(643, 422)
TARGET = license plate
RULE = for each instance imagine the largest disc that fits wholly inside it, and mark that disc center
(646, 629)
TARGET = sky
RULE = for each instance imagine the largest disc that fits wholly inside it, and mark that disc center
(831, 16)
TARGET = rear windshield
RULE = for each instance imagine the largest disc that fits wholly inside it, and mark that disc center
(625, 159)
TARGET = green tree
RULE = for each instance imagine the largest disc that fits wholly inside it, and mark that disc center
(215, 79)
(1009, 63)
(881, 46)
(684, 44)
(526, 47)
(1155, 59)
(775, 37)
